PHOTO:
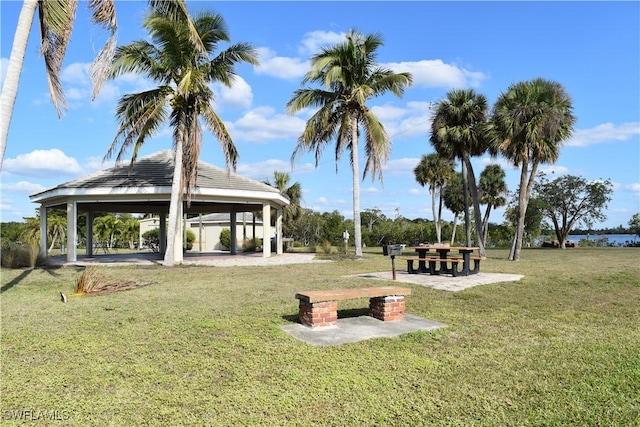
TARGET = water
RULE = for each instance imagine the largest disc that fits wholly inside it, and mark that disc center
(613, 239)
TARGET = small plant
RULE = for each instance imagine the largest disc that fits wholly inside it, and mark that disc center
(15, 255)
(225, 237)
(191, 237)
(325, 248)
(250, 245)
(90, 280)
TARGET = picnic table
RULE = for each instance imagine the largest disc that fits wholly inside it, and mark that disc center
(427, 260)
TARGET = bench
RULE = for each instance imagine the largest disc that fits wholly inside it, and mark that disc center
(476, 267)
(320, 308)
(428, 264)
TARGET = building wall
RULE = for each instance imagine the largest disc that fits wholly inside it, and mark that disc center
(211, 230)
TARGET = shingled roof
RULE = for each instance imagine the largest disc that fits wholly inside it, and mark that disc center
(151, 176)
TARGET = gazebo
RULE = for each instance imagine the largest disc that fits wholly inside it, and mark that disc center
(145, 188)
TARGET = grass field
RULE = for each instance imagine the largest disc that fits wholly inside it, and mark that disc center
(203, 346)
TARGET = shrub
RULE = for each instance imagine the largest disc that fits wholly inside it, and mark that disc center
(191, 237)
(14, 255)
(250, 245)
(89, 280)
(225, 237)
(151, 239)
(325, 248)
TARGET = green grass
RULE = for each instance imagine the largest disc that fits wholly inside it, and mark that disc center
(203, 346)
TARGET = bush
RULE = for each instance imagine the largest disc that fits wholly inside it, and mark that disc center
(191, 237)
(14, 255)
(325, 248)
(151, 239)
(250, 245)
(225, 237)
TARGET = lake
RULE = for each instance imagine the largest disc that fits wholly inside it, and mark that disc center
(614, 239)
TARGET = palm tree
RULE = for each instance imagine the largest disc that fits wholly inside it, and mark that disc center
(530, 121)
(55, 19)
(349, 77)
(459, 131)
(493, 189)
(453, 196)
(293, 192)
(183, 98)
(435, 171)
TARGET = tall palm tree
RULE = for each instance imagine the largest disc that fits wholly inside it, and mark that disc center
(530, 121)
(293, 192)
(435, 170)
(493, 190)
(183, 98)
(459, 131)
(349, 76)
(55, 18)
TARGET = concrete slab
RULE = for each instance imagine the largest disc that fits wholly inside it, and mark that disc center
(360, 328)
(443, 282)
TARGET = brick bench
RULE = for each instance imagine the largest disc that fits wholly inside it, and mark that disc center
(320, 308)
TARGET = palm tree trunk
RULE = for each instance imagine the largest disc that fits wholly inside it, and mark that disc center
(476, 208)
(522, 211)
(357, 238)
(485, 224)
(176, 199)
(14, 69)
(465, 191)
(436, 219)
(453, 231)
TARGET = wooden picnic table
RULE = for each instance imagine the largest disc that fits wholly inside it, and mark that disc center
(443, 253)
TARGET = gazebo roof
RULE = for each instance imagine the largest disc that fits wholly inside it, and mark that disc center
(145, 186)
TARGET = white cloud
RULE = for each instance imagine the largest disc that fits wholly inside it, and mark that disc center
(313, 41)
(238, 95)
(42, 164)
(436, 73)
(262, 124)
(553, 171)
(22, 187)
(606, 132)
(633, 188)
(263, 170)
(401, 166)
(280, 66)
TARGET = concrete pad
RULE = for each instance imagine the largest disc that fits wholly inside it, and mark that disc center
(360, 328)
(443, 282)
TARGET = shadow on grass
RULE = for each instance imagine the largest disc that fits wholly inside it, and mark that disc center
(24, 274)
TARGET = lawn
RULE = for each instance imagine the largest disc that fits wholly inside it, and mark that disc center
(203, 346)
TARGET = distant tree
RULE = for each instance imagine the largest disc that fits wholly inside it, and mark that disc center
(10, 231)
(634, 224)
(572, 200)
(533, 220)
(291, 212)
(434, 171)
(529, 122)
(493, 190)
(349, 76)
(107, 229)
(454, 200)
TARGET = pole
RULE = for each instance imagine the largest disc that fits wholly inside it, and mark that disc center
(393, 267)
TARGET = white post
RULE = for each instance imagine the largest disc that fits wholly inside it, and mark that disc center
(279, 231)
(72, 231)
(234, 233)
(43, 231)
(266, 230)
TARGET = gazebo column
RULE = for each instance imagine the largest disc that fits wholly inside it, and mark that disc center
(266, 230)
(43, 231)
(163, 232)
(234, 232)
(279, 231)
(89, 234)
(72, 231)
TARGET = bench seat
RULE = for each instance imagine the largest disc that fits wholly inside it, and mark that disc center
(320, 308)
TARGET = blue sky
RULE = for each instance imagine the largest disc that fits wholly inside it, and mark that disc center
(591, 48)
